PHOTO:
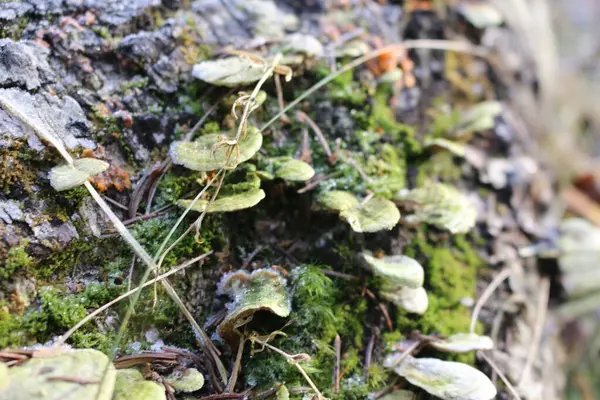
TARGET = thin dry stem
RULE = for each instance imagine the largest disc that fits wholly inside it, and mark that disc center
(447, 45)
(489, 290)
(63, 338)
(503, 377)
(290, 358)
(236, 366)
(337, 345)
(542, 309)
(303, 117)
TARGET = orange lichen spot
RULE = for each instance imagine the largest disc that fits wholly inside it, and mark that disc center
(417, 5)
(102, 111)
(386, 61)
(114, 176)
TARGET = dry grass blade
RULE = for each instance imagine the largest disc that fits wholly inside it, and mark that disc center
(127, 236)
(62, 339)
(503, 377)
(292, 359)
(489, 290)
(542, 309)
(431, 44)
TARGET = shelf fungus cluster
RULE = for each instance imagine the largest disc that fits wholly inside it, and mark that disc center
(447, 380)
(402, 281)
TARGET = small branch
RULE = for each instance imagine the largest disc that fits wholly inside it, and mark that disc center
(266, 393)
(236, 367)
(542, 309)
(503, 377)
(251, 256)
(314, 182)
(489, 290)
(382, 307)
(337, 345)
(303, 117)
(369, 355)
(336, 274)
(224, 396)
(279, 90)
(406, 353)
(115, 203)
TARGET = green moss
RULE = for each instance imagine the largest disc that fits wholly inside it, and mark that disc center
(442, 166)
(66, 260)
(321, 310)
(152, 232)
(134, 84)
(173, 187)
(16, 169)
(450, 275)
(76, 196)
(54, 313)
(343, 88)
(11, 334)
(17, 258)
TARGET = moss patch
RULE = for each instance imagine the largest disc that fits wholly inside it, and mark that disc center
(321, 310)
(17, 258)
(450, 275)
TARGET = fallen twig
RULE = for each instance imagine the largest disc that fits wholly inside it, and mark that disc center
(538, 328)
(369, 355)
(337, 346)
(303, 117)
(503, 377)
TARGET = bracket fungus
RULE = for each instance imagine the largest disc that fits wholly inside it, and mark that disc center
(457, 148)
(338, 200)
(65, 177)
(412, 300)
(214, 151)
(287, 168)
(263, 289)
(396, 270)
(304, 44)
(480, 117)
(447, 380)
(441, 205)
